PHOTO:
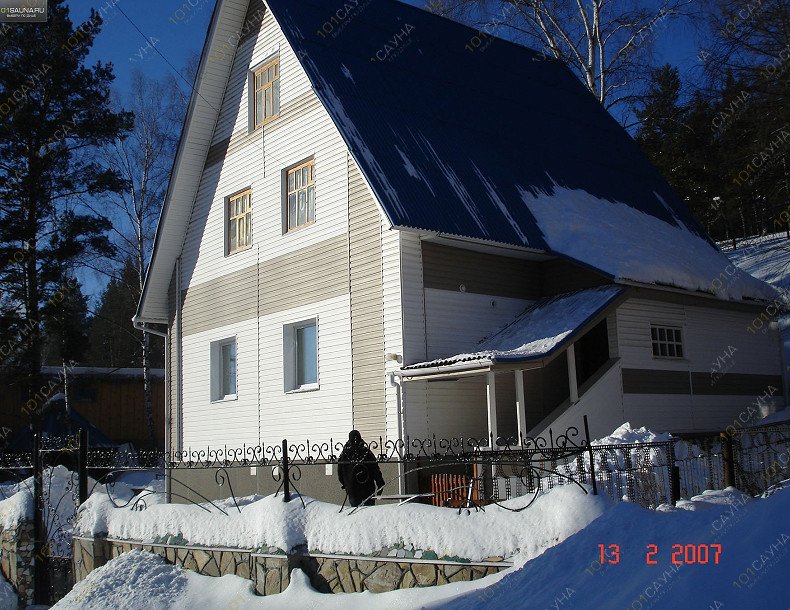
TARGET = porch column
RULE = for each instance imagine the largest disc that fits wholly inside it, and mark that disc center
(521, 407)
(571, 353)
(491, 399)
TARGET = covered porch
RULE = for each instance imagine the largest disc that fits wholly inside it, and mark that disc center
(515, 383)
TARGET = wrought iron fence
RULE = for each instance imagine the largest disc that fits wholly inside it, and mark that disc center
(487, 471)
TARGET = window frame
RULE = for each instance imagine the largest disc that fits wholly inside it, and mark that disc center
(216, 376)
(230, 198)
(271, 61)
(291, 358)
(286, 192)
(674, 347)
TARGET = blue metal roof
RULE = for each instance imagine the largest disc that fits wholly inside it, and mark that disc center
(450, 138)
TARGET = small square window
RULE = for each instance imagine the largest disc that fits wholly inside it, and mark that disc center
(300, 356)
(223, 370)
(667, 342)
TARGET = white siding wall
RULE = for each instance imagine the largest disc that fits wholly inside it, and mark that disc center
(318, 414)
(393, 320)
(414, 394)
(258, 161)
(230, 422)
(457, 321)
(708, 333)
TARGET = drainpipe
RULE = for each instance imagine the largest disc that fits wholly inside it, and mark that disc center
(401, 430)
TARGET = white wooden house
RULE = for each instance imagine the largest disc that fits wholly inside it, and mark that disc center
(358, 201)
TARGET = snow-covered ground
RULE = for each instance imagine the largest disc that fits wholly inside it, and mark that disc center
(748, 572)
(767, 258)
(751, 571)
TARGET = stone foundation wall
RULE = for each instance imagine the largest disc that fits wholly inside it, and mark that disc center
(16, 560)
(340, 574)
(270, 571)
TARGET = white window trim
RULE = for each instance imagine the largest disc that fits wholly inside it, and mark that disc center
(215, 373)
(682, 342)
(290, 363)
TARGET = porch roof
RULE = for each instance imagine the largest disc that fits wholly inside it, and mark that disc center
(539, 331)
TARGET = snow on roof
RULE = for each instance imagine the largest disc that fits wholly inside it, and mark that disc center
(631, 245)
(525, 157)
(539, 330)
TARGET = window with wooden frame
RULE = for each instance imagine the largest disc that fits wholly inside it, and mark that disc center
(667, 341)
(266, 93)
(300, 195)
(239, 227)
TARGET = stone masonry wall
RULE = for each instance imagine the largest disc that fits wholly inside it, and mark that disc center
(16, 560)
(270, 571)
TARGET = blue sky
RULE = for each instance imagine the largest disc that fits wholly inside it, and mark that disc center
(179, 34)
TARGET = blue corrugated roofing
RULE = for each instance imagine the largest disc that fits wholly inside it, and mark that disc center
(450, 138)
(540, 330)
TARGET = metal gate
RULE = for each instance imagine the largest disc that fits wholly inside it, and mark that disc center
(60, 487)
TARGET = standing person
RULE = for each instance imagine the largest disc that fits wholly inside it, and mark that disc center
(358, 471)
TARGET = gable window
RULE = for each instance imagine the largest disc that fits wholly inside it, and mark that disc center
(667, 341)
(300, 195)
(265, 93)
(300, 357)
(239, 221)
(223, 369)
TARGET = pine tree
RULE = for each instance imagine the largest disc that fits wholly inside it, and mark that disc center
(53, 112)
(113, 341)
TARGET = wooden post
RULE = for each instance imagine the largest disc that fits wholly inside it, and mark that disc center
(521, 407)
(727, 459)
(491, 400)
(574, 388)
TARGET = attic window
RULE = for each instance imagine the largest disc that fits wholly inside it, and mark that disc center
(265, 91)
(667, 341)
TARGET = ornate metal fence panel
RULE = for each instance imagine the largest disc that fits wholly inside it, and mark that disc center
(762, 457)
(60, 486)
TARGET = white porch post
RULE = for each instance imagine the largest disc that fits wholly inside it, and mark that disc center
(571, 353)
(521, 408)
(491, 399)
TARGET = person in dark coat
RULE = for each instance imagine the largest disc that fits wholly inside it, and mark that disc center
(358, 471)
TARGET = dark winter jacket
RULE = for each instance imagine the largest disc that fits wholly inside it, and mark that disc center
(358, 471)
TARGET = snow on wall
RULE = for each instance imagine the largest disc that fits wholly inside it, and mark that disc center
(269, 521)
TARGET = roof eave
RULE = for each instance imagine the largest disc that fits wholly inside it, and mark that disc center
(154, 265)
